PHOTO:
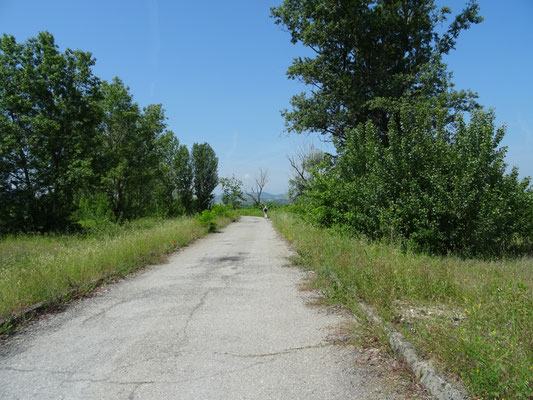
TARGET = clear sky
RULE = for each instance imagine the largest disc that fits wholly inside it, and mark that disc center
(218, 68)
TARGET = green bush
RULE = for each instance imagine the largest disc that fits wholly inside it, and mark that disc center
(208, 220)
(94, 214)
(438, 187)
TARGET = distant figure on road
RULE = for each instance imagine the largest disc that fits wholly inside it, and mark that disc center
(265, 211)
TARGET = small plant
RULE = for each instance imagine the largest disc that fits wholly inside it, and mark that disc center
(207, 220)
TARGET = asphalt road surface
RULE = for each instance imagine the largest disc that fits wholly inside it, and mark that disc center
(224, 319)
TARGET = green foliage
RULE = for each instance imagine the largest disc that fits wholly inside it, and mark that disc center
(204, 169)
(232, 193)
(473, 316)
(369, 54)
(135, 152)
(52, 268)
(304, 163)
(207, 220)
(70, 140)
(183, 169)
(438, 188)
(49, 141)
(94, 213)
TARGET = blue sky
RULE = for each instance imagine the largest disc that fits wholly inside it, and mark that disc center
(218, 68)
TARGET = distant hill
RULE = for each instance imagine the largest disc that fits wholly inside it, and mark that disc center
(265, 198)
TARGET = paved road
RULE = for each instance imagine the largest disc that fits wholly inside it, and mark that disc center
(223, 319)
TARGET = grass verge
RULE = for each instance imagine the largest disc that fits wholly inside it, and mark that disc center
(49, 269)
(473, 318)
(250, 212)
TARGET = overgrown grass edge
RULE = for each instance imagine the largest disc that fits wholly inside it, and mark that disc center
(472, 317)
(40, 274)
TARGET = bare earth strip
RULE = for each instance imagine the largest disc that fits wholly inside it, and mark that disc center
(223, 319)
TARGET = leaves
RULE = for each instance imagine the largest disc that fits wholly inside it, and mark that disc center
(368, 55)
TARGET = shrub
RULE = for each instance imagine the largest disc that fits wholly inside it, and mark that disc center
(439, 187)
(208, 220)
(94, 214)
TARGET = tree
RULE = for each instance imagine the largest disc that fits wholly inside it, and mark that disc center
(303, 164)
(184, 178)
(204, 167)
(368, 55)
(232, 193)
(48, 119)
(256, 190)
(438, 189)
(167, 147)
(131, 157)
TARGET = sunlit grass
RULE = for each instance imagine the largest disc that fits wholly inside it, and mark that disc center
(474, 317)
(250, 211)
(48, 269)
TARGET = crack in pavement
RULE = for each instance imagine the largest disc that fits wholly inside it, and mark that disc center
(224, 319)
(279, 353)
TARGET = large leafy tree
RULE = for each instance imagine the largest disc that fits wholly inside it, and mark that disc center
(184, 178)
(48, 121)
(131, 156)
(367, 55)
(204, 167)
(167, 146)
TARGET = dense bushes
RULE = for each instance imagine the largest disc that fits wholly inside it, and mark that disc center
(439, 187)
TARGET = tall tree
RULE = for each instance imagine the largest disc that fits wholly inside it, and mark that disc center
(130, 152)
(119, 131)
(48, 120)
(368, 55)
(166, 189)
(184, 178)
(204, 165)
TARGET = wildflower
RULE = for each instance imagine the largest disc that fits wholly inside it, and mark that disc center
(174, 241)
(300, 245)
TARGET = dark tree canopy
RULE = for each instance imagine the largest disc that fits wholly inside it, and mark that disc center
(368, 54)
(48, 139)
(204, 166)
(184, 176)
(76, 151)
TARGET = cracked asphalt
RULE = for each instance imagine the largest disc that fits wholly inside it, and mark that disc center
(223, 319)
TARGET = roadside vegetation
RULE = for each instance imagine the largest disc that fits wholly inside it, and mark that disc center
(52, 269)
(416, 211)
(473, 317)
(92, 185)
(75, 148)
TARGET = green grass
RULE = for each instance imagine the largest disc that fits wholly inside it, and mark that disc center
(250, 212)
(51, 269)
(474, 318)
